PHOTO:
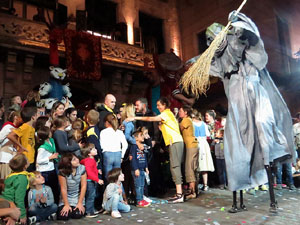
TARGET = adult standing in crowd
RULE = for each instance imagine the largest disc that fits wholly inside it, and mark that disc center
(105, 109)
(191, 149)
(141, 109)
(173, 139)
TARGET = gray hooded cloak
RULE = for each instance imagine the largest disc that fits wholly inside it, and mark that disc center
(259, 125)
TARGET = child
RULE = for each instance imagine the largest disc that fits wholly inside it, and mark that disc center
(24, 137)
(220, 160)
(93, 135)
(9, 212)
(60, 137)
(47, 160)
(41, 204)
(112, 199)
(88, 153)
(138, 168)
(72, 181)
(8, 151)
(16, 184)
(113, 143)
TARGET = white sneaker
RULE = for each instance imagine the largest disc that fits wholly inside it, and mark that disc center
(147, 199)
(116, 214)
(31, 220)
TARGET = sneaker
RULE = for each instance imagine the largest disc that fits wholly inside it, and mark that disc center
(191, 195)
(264, 188)
(91, 215)
(278, 186)
(179, 198)
(31, 220)
(205, 188)
(147, 199)
(283, 185)
(99, 211)
(105, 212)
(143, 204)
(52, 216)
(116, 214)
(292, 187)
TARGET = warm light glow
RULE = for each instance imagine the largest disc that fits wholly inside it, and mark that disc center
(98, 34)
(130, 35)
(175, 46)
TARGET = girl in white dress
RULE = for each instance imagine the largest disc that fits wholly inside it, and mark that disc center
(205, 159)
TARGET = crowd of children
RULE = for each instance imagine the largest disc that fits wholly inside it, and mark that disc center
(60, 166)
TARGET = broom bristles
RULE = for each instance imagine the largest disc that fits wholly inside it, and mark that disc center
(195, 81)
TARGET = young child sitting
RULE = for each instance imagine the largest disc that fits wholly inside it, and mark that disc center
(139, 167)
(113, 196)
(16, 184)
(41, 204)
(88, 153)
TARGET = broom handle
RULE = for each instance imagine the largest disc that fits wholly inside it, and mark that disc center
(240, 8)
(236, 12)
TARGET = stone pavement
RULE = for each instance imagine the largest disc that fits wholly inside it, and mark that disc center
(210, 208)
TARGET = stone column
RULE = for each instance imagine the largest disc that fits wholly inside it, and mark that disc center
(171, 30)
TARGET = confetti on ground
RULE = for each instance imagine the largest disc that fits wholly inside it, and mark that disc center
(208, 212)
(216, 223)
(133, 214)
(227, 217)
(244, 222)
(222, 209)
(158, 210)
(139, 221)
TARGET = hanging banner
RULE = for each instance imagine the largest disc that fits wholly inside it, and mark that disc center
(83, 54)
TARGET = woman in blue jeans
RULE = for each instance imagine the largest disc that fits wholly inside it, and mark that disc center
(113, 144)
(113, 196)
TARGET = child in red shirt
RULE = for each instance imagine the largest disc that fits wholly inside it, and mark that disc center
(89, 152)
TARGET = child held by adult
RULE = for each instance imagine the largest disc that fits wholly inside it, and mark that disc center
(113, 200)
(60, 137)
(89, 152)
(41, 204)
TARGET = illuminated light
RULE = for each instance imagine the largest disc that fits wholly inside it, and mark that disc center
(130, 35)
(98, 34)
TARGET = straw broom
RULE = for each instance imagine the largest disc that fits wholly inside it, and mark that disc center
(196, 79)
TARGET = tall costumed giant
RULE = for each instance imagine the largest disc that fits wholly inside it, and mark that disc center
(258, 132)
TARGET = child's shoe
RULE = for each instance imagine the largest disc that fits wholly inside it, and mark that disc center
(52, 216)
(205, 188)
(147, 199)
(91, 215)
(143, 204)
(31, 220)
(116, 214)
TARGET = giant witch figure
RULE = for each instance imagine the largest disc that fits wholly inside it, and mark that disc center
(258, 131)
